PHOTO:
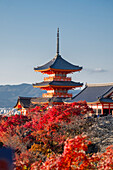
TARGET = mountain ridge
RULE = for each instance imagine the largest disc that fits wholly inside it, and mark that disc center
(9, 93)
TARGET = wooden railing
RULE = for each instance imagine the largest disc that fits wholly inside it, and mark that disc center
(57, 78)
(57, 95)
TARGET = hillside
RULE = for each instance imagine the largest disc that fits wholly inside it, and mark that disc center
(9, 93)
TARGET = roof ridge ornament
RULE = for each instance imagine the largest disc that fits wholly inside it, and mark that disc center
(57, 42)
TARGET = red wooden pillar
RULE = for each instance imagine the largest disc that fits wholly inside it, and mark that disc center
(109, 108)
(102, 109)
(97, 109)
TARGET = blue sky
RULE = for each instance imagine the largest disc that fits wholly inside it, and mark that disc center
(28, 38)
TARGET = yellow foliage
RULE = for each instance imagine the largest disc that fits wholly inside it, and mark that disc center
(40, 148)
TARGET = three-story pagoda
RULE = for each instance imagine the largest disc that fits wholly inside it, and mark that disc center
(57, 83)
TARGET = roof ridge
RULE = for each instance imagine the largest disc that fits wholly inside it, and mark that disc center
(107, 92)
(79, 92)
(99, 84)
(59, 56)
(54, 59)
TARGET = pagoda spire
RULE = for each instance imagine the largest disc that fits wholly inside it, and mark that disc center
(57, 41)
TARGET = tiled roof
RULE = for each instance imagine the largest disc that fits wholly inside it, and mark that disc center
(48, 100)
(58, 83)
(39, 100)
(106, 100)
(24, 101)
(56, 99)
(58, 63)
(92, 93)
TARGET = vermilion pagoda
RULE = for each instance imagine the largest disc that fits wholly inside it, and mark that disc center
(57, 83)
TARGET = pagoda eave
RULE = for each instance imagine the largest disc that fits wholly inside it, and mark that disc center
(65, 86)
(52, 70)
(46, 87)
(40, 86)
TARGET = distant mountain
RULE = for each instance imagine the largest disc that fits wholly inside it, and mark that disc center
(9, 93)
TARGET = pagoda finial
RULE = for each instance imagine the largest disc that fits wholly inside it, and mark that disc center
(57, 41)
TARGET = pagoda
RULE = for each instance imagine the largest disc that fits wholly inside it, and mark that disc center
(57, 83)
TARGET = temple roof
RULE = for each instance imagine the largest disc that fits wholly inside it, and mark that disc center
(94, 92)
(58, 63)
(58, 83)
(25, 102)
(106, 100)
(31, 102)
(40, 100)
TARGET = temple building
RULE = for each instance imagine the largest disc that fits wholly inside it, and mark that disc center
(98, 96)
(57, 84)
(24, 103)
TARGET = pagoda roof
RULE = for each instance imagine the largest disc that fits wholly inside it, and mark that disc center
(58, 64)
(95, 92)
(58, 84)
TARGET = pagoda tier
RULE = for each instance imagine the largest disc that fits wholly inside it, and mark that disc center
(57, 64)
(57, 88)
(57, 84)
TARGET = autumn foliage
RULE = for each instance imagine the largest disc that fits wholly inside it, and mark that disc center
(52, 138)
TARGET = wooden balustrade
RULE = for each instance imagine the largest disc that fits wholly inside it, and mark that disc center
(57, 95)
(57, 78)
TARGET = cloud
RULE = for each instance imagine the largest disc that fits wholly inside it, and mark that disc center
(95, 70)
(99, 70)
